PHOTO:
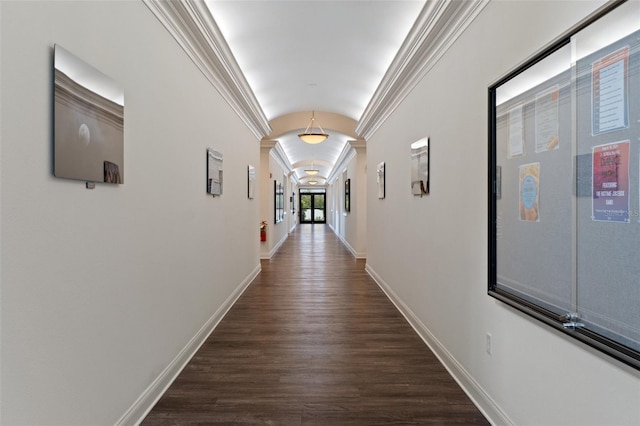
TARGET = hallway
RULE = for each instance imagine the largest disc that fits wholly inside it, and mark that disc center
(314, 341)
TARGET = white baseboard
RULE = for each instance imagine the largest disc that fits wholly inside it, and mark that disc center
(275, 248)
(137, 412)
(356, 254)
(469, 385)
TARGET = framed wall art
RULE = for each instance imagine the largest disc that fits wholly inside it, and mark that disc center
(380, 178)
(251, 181)
(278, 201)
(88, 122)
(214, 172)
(347, 195)
(293, 203)
(420, 167)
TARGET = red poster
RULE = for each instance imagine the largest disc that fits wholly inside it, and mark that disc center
(611, 182)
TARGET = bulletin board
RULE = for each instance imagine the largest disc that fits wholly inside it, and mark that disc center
(564, 184)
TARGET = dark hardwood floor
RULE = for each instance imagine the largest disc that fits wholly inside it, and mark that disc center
(314, 341)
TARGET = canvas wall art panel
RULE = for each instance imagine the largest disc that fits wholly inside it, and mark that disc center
(88, 122)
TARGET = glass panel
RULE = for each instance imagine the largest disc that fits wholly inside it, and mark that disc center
(305, 207)
(318, 208)
(534, 145)
(608, 129)
(565, 173)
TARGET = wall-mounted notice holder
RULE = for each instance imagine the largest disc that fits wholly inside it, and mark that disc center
(564, 184)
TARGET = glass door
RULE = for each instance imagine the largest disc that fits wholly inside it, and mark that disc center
(312, 206)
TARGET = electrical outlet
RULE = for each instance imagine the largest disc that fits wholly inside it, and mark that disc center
(489, 347)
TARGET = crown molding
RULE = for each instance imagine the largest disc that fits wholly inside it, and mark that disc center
(277, 153)
(351, 148)
(294, 177)
(192, 26)
(268, 144)
(359, 144)
(437, 27)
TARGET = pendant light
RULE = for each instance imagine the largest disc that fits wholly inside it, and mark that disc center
(313, 137)
(312, 170)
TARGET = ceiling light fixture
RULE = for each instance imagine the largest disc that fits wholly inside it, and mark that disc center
(311, 171)
(311, 136)
(312, 182)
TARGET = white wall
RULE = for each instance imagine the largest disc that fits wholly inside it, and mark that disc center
(292, 216)
(358, 176)
(272, 170)
(101, 289)
(333, 205)
(354, 222)
(431, 252)
(337, 196)
(350, 226)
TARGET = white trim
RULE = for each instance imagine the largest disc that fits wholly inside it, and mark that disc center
(191, 24)
(277, 153)
(281, 157)
(469, 385)
(354, 253)
(347, 153)
(275, 248)
(143, 405)
(438, 26)
(351, 148)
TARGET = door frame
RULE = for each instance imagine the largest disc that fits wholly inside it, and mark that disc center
(313, 192)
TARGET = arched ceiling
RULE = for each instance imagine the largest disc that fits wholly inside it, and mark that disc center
(303, 156)
(352, 62)
(300, 56)
(314, 55)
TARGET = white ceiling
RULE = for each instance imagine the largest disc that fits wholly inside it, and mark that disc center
(352, 62)
(304, 55)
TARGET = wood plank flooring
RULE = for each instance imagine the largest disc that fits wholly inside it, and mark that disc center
(314, 341)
